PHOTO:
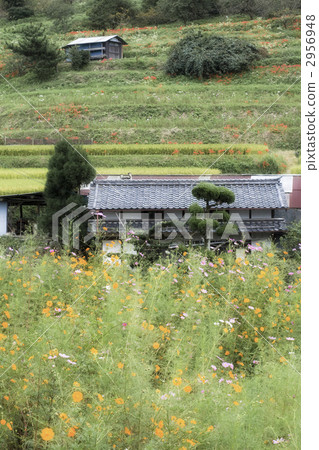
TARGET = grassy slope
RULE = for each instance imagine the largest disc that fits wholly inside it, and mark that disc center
(112, 102)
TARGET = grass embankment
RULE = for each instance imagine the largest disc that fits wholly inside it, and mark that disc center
(192, 353)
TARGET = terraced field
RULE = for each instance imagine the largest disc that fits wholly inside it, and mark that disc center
(133, 101)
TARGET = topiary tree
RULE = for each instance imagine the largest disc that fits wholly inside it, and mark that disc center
(68, 169)
(202, 56)
(40, 54)
(79, 58)
(209, 192)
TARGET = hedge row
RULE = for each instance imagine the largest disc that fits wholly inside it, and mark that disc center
(226, 164)
(152, 149)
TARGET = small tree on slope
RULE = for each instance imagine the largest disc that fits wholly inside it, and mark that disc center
(41, 55)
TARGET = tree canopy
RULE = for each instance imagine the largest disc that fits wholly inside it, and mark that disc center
(104, 14)
(187, 10)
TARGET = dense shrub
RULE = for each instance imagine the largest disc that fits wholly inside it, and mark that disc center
(199, 55)
(19, 12)
(291, 241)
(79, 58)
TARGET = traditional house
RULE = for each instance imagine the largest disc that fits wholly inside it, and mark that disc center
(100, 47)
(261, 203)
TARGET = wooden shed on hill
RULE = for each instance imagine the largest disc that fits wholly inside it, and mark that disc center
(99, 47)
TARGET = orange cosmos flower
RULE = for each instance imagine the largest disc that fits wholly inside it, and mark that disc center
(71, 432)
(177, 381)
(47, 434)
(159, 432)
(77, 396)
(237, 387)
(188, 389)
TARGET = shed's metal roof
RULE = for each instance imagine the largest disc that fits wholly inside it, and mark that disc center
(177, 194)
(92, 40)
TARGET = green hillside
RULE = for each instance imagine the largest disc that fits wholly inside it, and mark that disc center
(133, 101)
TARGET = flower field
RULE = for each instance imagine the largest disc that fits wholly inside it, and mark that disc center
(191, 352)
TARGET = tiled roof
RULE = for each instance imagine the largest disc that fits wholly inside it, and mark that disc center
(177, 194)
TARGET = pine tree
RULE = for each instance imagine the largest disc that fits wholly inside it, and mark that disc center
(41, 55)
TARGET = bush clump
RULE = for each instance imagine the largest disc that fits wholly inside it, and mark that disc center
(202, 56)
(79, 58)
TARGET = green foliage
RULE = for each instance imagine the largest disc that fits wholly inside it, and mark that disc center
(291, 241)
(17, 9)
(258, 8)
(186, 10)
(35, 47)
(104, 14)
(20, 12)
(68, 169)
(79, 58)
(60, 12)
(210, 193)
(195, 208)
(198, 55)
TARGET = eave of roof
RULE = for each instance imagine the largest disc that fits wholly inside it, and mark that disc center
(92, 40)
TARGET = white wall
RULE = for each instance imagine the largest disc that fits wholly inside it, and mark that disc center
(261, 213)
(3, 218)
(244, 213)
